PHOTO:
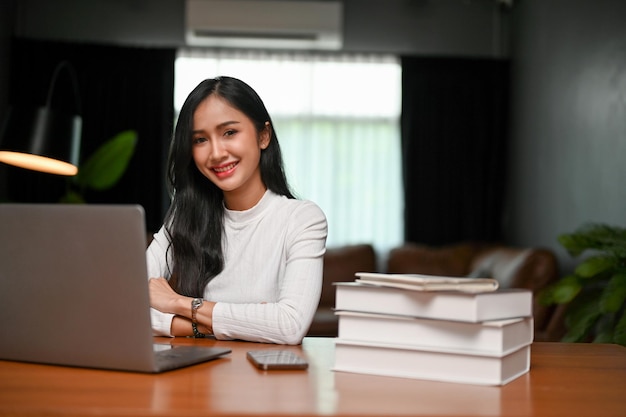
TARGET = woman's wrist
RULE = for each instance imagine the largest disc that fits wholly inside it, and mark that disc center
(201, 314)
(181, 306)
(183, 310)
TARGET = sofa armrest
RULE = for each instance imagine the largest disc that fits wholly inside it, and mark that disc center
(340, 265)
(529, 268)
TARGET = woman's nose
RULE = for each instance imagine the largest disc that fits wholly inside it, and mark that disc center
(218, 150)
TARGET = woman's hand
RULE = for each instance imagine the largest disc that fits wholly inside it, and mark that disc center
(164, 298)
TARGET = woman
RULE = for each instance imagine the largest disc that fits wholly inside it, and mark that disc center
(238, 256)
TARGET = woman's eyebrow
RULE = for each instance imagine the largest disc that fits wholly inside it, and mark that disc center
(228, 123)
(221, 125)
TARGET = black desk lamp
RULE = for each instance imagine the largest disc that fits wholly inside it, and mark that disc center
(53, 145)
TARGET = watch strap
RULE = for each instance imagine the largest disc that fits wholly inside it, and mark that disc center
(196, 332)
(196, 303)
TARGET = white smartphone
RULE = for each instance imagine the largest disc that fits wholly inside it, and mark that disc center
(276, 359)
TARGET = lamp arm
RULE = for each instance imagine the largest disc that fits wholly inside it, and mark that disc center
(70, 69)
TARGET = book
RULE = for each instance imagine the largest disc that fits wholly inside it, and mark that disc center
(497, 336)
(435, 364)
(419, 282)
(443, 305)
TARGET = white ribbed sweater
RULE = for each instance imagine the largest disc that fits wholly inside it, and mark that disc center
(271, 283)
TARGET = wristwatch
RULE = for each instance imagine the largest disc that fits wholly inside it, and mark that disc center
(196, 303)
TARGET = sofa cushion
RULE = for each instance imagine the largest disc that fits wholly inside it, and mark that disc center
(502, 264)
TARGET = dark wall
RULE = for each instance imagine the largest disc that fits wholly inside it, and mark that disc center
(441, 27)
(568, 130)
(115, 93)
(7, 22)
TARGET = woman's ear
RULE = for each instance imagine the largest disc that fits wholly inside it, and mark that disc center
(265, 136)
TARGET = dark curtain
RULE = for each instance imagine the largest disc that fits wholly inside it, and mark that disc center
(121, 88)
(453, 126)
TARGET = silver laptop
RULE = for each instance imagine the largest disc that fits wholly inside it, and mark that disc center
(74, 290)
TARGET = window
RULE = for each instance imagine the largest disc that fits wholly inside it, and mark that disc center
(337, 120)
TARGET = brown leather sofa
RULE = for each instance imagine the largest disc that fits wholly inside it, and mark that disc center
(340, 264)
(529, 268)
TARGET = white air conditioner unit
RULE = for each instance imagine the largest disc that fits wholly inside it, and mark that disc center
(267, 24)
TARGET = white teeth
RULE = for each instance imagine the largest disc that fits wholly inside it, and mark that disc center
(225, 168)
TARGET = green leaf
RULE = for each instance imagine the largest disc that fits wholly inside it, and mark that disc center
(604, 337)
(573, 245)
(609, 239)
(604, 329)
(614, 294)
(107, 164)
(546, 296)
(561, 292)
(72, 197)
(581, 316)
(594, 266)
(619, 332)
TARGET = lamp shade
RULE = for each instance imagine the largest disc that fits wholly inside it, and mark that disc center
(45, 139)
(42, 140)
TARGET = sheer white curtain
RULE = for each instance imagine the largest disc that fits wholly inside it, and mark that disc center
(337, 120)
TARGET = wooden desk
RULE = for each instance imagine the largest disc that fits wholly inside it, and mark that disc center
(565, 380)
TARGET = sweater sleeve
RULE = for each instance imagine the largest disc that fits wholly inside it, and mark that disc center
(286, 320)
(156, 257)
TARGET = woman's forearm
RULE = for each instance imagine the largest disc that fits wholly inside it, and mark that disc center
(182, 323)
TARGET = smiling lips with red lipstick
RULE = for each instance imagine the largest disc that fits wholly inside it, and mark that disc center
(225, 170)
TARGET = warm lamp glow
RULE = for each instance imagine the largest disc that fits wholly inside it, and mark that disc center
(47, 140)
(38, 163)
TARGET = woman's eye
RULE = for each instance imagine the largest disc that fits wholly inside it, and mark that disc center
(230, 132)
(195, 141)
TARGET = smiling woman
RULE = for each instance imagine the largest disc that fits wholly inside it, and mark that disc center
(338, 120)
(238, 257)
(227, 150)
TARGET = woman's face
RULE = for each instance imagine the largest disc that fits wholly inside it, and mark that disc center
(226, 149)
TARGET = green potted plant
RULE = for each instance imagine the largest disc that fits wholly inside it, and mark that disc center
(103, 169)
(595, 293)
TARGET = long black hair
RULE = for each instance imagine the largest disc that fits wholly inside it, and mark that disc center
(195, 219)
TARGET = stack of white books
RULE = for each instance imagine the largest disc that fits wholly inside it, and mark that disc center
(463, 330)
